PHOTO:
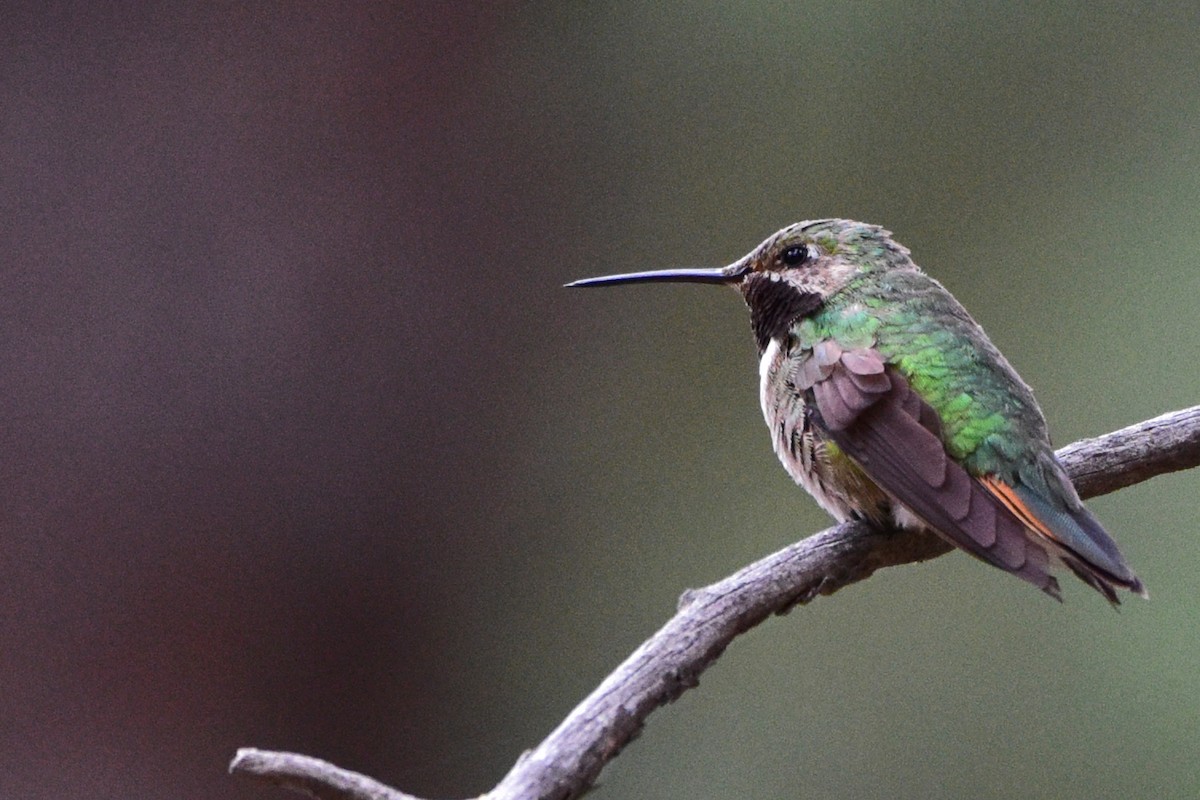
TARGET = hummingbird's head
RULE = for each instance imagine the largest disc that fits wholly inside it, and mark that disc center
(793, 272)
(821, 257)
(816, 257)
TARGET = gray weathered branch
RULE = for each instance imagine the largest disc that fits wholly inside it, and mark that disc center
(310, 776)
(670, 662)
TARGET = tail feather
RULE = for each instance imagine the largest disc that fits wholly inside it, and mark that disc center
(1073, 536)
(1082, 544)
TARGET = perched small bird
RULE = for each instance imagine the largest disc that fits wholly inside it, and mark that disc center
(888, 403)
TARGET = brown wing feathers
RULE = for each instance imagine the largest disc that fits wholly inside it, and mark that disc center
(875, 417)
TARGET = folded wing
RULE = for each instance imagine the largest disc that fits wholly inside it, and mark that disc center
(869, 410)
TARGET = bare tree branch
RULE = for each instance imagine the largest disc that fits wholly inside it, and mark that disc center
(1167, 443)
(310, 776)
(567, 763)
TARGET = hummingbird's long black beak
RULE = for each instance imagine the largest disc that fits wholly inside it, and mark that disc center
(731, 274)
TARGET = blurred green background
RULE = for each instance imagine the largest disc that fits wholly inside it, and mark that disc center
(306, 448)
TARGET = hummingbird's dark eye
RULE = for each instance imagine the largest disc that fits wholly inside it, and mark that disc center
(795, 255)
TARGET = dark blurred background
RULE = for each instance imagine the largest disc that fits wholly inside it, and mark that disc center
(304, 446)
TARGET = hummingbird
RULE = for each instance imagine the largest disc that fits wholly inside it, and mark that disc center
(888, 403)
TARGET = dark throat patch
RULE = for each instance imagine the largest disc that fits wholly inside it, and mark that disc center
(774, 306)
